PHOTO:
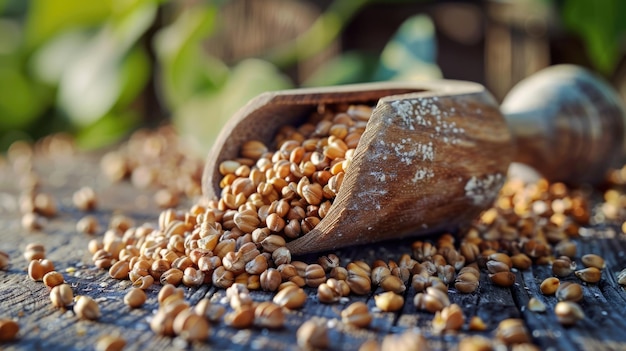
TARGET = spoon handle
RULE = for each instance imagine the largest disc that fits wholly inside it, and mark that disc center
(566, 123)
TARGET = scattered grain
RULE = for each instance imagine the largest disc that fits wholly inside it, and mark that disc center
(389, 301)
(291, 297)
(356, 314)
(592, 260)
(61, 295)
(512, 331)
(312, 335)
(86, 308)
(135, 297)
(190, 326)
(568, 291)
(52, 279)
(85, 199)
(535, 305)
(8, 329)
(568, 312)
(450, 318)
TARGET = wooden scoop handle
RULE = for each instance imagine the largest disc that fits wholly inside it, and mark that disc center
(567, 123)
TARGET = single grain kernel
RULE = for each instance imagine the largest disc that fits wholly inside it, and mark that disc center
(379, 272)
(8, 329)
(497, 266)
(169, 290)
(477, 324)
(45, 204)
(475, 343)
(592, 260)
(339, 273)
(222, 278)
(88, 225)
(268, 315)
(389, 301)
(432, 300)
(253, 149)
(85, 199)
(38, 268)
(466, 282)
(549, 286)
(119, 270)
(281, 255)
(450, 318)
(393, 283)
(240, 318)
(166, 198)
(143, 282)
(568, 313)
(521, 261)
(356, 314)
(52, 279)
(135, 297)
(409, 340)
(34, 251)
(4, 260)
(566, 248)
(257, 266)
(314, 275)
(193, 277)
(621, 277)
(512, 331)
(563, 266)
(504, 279)
(191, 326)
(291, 297)
(328, 262)
(32, 221)
(110, 343)
(172, 276)
(568, 291)
(270, 279)
(589, 274)
(535, 305)
(212, 312)
(86, 308)
(312, 335)
(61, 295)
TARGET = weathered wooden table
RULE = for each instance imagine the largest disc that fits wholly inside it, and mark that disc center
(44, 327)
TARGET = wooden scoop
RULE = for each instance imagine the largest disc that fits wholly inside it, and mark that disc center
(435, 154)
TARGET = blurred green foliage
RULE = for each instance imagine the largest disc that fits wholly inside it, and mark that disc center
(602, 26)
(86, 66)
(96, 68)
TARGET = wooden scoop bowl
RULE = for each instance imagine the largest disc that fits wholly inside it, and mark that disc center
(435, 154)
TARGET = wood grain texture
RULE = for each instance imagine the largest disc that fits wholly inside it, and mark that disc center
(46, 328)
(427, 162)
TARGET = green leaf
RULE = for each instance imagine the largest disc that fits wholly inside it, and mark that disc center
(602, 26)
(185, 68)
(107, 130)
(348, 68)
(411, 53)
(201, 118)
(98, 77)
(134, 72)
(46, 18)
(50, 61)
(22, 101)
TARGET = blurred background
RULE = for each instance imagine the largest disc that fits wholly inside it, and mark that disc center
(101, 69)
